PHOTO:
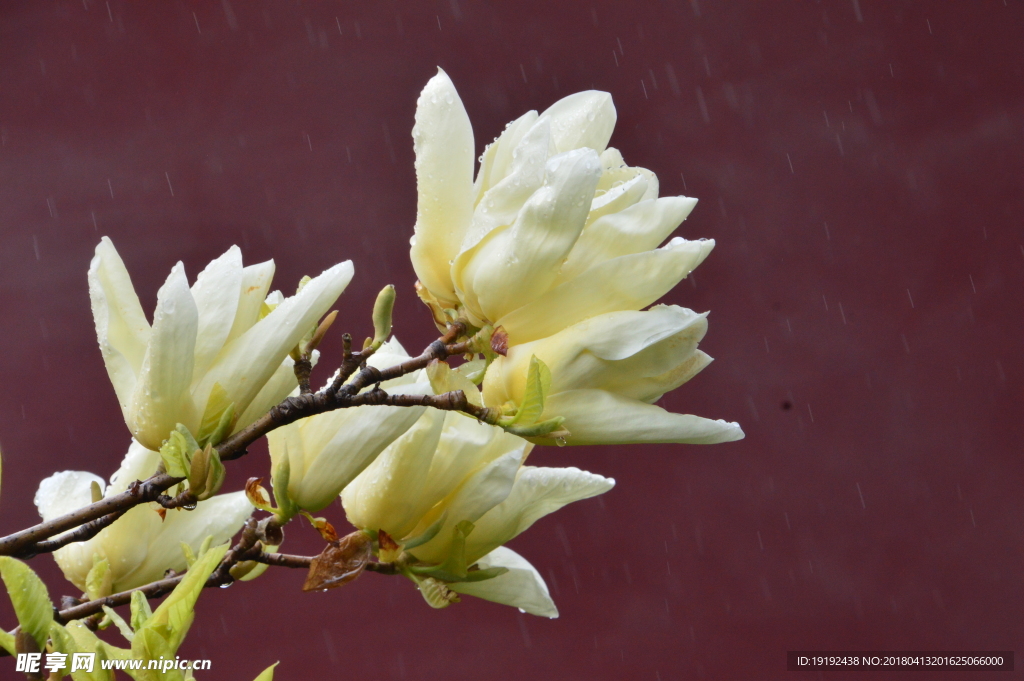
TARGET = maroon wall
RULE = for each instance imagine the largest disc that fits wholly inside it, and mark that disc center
(859, 163)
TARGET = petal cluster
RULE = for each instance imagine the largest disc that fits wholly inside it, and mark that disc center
(210, 345)
(558, 245)
(449, 469)
(141, 545)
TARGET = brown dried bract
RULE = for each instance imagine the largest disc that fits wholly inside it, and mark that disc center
(256, 493)
(341, 562)
(499, 341)
(385, 541)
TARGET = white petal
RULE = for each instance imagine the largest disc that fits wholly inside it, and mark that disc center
(121, 326)
(536, 493)
(161, 398)
(255, 284)
(387, 495)
(65, 492)
(216, 295)
(246, 364)
(498, 156)
(583, 119)
(337, 446)
(220, 517)
(600, 417)
(445, 153)
(640, 227)
(629, 282)
(476, 496)
(521, 587)
(139, 463)
(279, 386)
(515, 265)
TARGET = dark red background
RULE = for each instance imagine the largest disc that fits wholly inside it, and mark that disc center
(859, 163)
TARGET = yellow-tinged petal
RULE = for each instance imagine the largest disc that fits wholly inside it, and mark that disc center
(216, 293)
(628, 282)
(445, 153)
(521, 587)
(162, 398)
(536, 493)
(121, 326)
(601, 417)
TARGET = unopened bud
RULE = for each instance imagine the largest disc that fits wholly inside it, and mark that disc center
(382, 310)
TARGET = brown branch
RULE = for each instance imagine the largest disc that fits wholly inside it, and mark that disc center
(83, 533)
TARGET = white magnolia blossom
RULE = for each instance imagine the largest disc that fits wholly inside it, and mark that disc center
(202, 337)
(324, 453)
(140, 545)
(608, 370)
(556, 228)
(449, 468)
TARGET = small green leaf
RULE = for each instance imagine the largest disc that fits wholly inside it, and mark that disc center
(190, 557)
(538, 384)
(170, 621)
(279, 481)
(98, 583)
(427, 534)
(218, 417)
(177, 450)
(382, 309)
(119, 622)
(267, 674)
(29, 597)
(538, 429)
(436, 593)
(456, 562)
(141, 611)
(7, 642)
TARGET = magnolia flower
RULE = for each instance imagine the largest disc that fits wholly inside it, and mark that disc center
(606, 372)
(208, 352)
(449, 469)
(316, 457)
(556, 228)
(141, 545)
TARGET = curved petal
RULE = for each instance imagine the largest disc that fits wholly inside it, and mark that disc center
(443, 143)
(516, 265)
(629, 282)
(387, 495)
(595, 417)
(583, 119)
(635, 229)
(161, 398)
(216, 294)
(536, 493)
(521, 587)
(255, 284)
(246, 364)
(65, 492)
(220, 517)
(477, 495)
(139, 463)
(498, 155)
(121, 326)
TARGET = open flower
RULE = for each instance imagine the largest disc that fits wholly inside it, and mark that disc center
(556, 228)
(210, 350)
(316, 457)
(140, 545)
(606, 372)
(450, 492)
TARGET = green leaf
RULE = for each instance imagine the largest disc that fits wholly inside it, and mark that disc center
(190, 557)
(176, 452)
(538, 429)
(170, 622)
(382, 309)
(141, 611)
(98, 583)
(456, 562)
(538, 384)
(267, 674)
(218, 417)
(436, 593)
(119, 622)
(427, 534)
(29, 597)
(61, 642)
(279, 481)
